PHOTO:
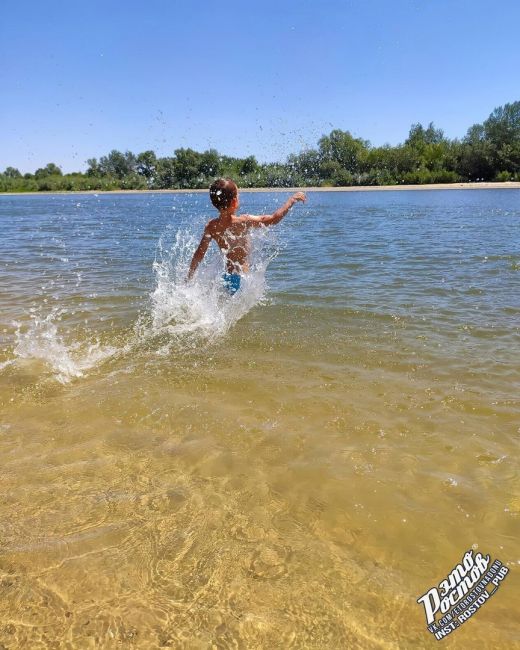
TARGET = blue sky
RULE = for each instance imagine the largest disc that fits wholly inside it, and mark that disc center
(264, 78)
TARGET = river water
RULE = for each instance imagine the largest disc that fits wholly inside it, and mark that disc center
(290, 467)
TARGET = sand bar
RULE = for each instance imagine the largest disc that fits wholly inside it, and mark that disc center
(509, 185)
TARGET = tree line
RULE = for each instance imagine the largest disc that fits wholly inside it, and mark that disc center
(488, 152)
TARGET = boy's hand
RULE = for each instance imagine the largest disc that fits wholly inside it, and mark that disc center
(299, 196)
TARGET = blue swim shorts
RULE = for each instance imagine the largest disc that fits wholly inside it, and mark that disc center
(231, 282)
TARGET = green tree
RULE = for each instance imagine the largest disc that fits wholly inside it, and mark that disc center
(275, 175)
(341, 147)
(476, 155)
(165, 178)
(248, 165)
(389, 164)
(209, 163)
(146, 165)
(306, 164)
(419, 137)
(49, 170)
(502, 127)
(489, 151)
(117, 164)
(93, 167)
(12, 172)
(502, 132)
(187, 168)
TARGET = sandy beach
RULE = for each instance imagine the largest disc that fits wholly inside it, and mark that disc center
(510, 185)
(390, 188)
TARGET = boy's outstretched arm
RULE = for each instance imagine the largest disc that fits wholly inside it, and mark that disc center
(278, 215)
(198, 256)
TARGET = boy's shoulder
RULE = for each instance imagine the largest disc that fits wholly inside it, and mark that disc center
(212, 224)
(241, 218)
(217, 223)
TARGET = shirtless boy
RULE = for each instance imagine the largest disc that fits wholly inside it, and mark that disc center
(231, 232)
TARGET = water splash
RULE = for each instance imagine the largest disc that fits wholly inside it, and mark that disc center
(40, 340)
(202, 308)
(181, 316)
(5, 364)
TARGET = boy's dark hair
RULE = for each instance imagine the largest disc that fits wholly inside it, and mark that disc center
(222, 192)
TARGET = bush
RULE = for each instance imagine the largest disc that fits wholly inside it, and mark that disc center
(376, 177)
(418, 177)
(445, 176)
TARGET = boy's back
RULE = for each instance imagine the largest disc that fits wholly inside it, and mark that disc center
(234, 241)
(231, 232)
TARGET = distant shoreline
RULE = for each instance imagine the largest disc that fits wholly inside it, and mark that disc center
(508, 185)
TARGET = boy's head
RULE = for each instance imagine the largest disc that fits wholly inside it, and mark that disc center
(224, 194)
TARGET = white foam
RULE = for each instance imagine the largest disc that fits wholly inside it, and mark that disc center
(182, 315)
(202, 307)
(7, 363)
(40, 340)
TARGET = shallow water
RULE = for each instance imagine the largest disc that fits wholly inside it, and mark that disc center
(290, 468)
